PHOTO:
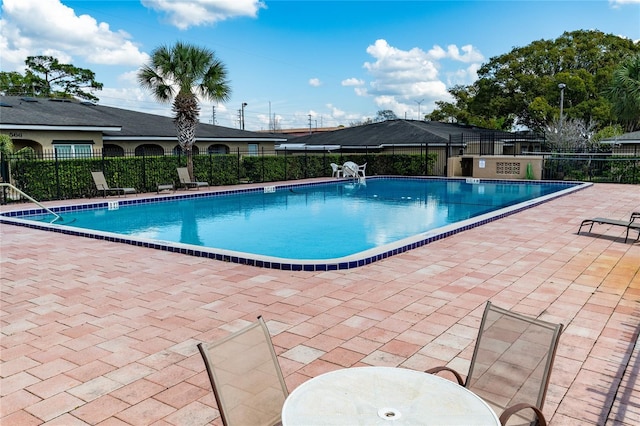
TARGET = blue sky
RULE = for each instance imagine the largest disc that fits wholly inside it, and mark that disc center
(326, 62)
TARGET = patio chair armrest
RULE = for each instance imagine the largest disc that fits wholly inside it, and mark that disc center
(436, 370)
(504, 417)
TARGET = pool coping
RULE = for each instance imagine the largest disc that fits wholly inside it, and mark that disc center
(355, 260)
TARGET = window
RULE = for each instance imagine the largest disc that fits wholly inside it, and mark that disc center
(73, 150)
(149, 150)
(177, 150)
(253, 149)
(218, 149)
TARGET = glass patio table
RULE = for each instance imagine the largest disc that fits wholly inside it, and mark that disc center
(384, 396)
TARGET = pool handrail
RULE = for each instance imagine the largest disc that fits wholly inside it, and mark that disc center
(33, 200)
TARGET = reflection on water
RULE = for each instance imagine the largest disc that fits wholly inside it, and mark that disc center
(313, 222)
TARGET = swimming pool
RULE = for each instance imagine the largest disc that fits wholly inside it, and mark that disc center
(319, 226)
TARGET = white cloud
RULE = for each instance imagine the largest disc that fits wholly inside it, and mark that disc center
(47, 27)
(618, 3)
(361, 91)
(400, 77)
(463, 75)
(184, 13)
(352, 82)
(315, 82)
(336, 112)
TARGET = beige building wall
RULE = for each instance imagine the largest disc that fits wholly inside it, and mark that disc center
(43, 139)
(494, 167)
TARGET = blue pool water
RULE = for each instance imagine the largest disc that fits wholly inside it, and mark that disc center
(317, 222)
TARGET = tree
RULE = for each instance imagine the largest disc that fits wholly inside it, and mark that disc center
(624, 93)
(384, 115)
(520, 88)
(49, 77)
(15, 84)
(6, 145)
(181, 74)
(363, 122)
(574, 135)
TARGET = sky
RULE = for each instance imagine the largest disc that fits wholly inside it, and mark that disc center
(299, 63)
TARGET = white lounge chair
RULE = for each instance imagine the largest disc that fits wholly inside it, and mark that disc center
(185, 179)
(336, 171)
(361, 169)
(101, 185)
(350, 169)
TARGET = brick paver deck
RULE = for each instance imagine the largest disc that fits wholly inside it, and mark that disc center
(103, 333)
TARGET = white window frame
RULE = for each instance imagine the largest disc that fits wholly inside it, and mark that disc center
(73, 150)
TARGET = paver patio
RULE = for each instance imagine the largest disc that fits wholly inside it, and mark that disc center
(103, 333)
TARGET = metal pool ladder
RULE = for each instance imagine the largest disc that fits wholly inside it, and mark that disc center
(39, 204)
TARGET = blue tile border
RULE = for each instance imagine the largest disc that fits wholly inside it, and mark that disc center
(354, 261)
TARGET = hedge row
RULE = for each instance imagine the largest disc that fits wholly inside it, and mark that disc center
(71, 178)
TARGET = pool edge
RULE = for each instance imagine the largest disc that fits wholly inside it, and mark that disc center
(348, 262)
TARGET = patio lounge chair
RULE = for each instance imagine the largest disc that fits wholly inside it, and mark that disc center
(245, 376)
(630, 224)
(511, 364)
(165, 187)
(101, 185)
(336, 171)
(185, 179)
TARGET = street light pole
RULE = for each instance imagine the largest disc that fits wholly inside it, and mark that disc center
(419, 103)
(561, 86)
(244, 104)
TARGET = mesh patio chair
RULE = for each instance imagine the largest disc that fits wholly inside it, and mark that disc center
(101, 185)
(185, 179)
(245, 376)
(511, 364)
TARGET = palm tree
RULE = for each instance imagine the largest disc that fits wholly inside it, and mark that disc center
(624, 93)
(184, 73)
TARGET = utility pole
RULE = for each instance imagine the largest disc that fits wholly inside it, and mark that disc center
(310, 124)
(419, 103)
(244, 104)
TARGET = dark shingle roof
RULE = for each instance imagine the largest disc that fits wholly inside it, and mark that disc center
(394, 132)
(20, 111)
(632, 137)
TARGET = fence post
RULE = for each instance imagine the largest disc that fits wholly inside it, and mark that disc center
(446, 156)
(238, 168)
(635, 164)
(144, 170)
(426, 159)
(262, 163)
(57, 169)
(210, 168)
(285, 163)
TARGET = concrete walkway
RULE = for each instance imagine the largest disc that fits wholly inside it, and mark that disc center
(102, 333)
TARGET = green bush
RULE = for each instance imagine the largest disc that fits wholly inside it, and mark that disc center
(71, 178)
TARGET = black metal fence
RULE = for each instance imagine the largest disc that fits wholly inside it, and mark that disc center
(623, 166)
(50, 176)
